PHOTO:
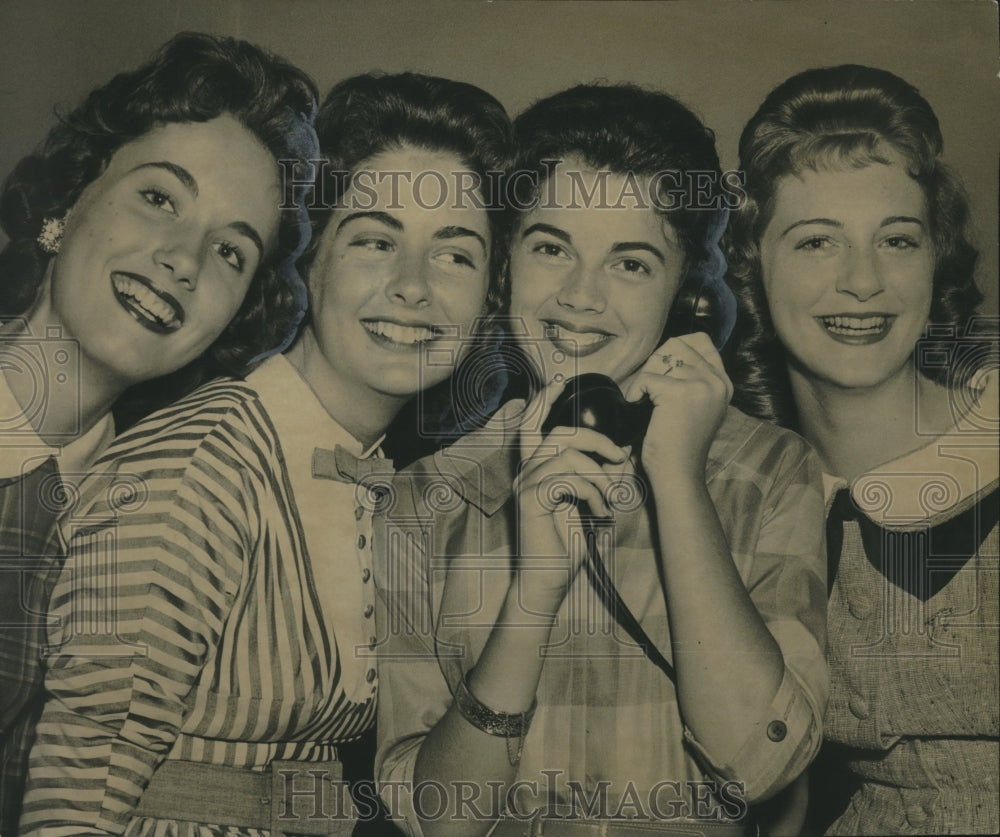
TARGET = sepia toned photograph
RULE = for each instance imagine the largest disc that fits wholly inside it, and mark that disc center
(499, 418)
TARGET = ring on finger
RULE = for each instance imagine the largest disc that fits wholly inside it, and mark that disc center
(670, 363)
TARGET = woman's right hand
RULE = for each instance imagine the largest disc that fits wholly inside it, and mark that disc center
(557, 474)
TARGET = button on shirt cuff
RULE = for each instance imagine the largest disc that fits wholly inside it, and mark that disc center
(781, 745)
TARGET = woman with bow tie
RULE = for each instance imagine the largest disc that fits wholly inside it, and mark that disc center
(236, 666)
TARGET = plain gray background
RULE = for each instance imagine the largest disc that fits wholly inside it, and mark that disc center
(720, 56)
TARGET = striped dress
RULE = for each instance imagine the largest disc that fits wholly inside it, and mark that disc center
(191, 625)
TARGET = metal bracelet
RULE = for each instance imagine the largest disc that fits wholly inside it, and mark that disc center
(504, 724)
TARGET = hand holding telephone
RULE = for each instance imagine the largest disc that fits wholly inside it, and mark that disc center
(594, 401)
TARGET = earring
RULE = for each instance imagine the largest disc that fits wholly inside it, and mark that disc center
(50, 238)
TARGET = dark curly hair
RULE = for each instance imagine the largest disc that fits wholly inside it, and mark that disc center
(623, 129)
(843, 116)
(627, 129)
(193, 78)
(368, 114)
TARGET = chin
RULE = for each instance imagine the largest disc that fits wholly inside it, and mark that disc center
(402, 386)
(857, 378)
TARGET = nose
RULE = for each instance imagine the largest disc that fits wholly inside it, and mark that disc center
(861, 276)
(408, 284)
(584, 290)
(179, 255)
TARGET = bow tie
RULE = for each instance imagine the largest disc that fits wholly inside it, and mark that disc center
(341, 465)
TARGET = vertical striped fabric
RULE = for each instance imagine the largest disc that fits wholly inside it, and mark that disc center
(189, 622)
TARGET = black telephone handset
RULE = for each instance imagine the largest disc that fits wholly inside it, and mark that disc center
(594, 401)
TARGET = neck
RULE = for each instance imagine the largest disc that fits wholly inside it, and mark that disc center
(854, 429)
(362, 411)
(72, 395)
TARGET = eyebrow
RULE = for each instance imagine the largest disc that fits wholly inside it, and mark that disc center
(623, 246)
(555, 232)
(181, 173)
(460, 232)
(826, 222)
(381, 217)
(830, 222)
(245, 229)
(901, 219)
(617, 247)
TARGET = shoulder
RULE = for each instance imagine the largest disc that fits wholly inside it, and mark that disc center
(219, 435)
(218, 407)
(746, 442)
(476, 471)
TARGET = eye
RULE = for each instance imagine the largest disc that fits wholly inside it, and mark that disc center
(231, 255)
(373, 244)
(633, 266)
(814, 243)
(901, 242)
(455, 259)
(159, 199)
(550, 249)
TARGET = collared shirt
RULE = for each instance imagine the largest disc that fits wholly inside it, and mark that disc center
(336, 518)
(607, 722)
(952, 466)
(914, 683)
(36, 486)
(21, 450)
(239, 592)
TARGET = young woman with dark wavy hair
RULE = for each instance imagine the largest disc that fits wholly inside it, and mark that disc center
(240, 679)
(530, 687)
(148, 251)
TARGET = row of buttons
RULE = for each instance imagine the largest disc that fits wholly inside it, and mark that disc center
(369, 609)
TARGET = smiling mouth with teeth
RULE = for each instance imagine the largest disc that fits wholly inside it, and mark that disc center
(856, 326)
(154, 309)
(575, 343)
(400, 335)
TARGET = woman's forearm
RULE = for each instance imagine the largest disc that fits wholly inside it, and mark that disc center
(504, 679)
(729, 667)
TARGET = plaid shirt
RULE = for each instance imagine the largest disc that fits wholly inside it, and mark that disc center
(32, 497)
(605, 713)
(30, 557)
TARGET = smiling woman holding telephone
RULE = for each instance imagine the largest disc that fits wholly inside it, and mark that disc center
(676, 674)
